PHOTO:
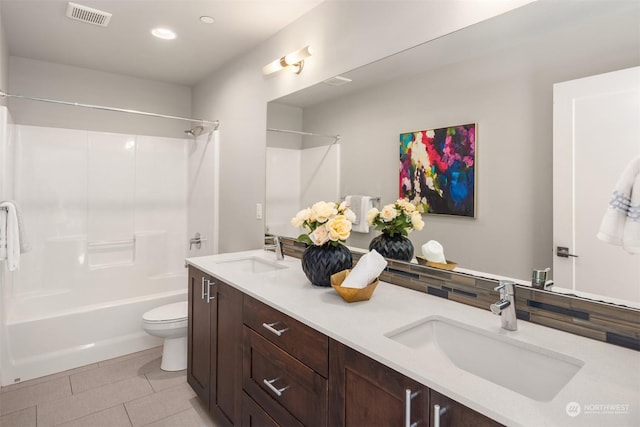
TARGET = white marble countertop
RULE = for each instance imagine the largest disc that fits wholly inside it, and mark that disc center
(606, 389)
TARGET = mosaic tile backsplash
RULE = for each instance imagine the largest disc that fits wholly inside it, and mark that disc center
(602, 321)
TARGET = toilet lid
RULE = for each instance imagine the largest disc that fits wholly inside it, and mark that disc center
(169, 312)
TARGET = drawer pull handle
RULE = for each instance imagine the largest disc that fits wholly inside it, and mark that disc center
(270, 327)
(407, 407)
(277, 391)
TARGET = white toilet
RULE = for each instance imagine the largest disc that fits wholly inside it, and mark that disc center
(169, 322)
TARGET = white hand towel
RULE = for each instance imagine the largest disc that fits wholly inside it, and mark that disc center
(434, 252)
(631, 232)
(367, 269)
(3, 234)
(621, 221)
(25, 245)
(360, 205)
(350, 201)
(12, 236)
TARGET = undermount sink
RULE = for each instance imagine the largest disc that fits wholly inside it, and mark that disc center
(253, 265)
(532, 371)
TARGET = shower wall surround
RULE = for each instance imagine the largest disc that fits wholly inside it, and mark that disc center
(88, 196)
(106, 215)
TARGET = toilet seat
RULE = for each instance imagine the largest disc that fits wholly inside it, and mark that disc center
(170, 313)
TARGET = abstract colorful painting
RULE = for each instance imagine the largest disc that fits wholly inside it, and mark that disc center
(437, 169)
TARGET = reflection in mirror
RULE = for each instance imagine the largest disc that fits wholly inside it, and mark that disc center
(300, 171)
(499, 74)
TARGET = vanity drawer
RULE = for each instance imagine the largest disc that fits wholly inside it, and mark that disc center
(280, 384)
(254, 416)
(299, 340)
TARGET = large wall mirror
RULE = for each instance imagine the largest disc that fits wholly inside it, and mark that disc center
(498, 74)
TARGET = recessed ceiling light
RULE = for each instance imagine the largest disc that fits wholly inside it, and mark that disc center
(163, 33)
(207, 19)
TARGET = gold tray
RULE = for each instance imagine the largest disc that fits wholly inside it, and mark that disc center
(352, 294)
(450, 265)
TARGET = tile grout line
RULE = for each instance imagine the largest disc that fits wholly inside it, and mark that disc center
(150, 380)
(70, 385)
(126, 411)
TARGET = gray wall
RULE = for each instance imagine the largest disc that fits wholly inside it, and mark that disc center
(73, 84)
(280, 116)
(4, 63)
(508, 93)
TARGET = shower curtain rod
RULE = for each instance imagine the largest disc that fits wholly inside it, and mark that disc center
(215, 123)
(297, 132)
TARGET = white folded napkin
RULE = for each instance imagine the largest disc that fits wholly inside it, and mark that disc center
(367, 269)
(434, 252)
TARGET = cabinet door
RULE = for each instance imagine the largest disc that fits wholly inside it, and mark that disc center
(454, 414)
(226, 344)
(363, 392)
(198, 336)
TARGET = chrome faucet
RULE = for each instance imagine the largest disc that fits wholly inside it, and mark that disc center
(277, 245)
(539, 279)
(506, 307)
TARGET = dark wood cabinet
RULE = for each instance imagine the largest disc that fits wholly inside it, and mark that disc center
(364, 392)
(214, 366)
(254, 416)
(455, 414)
(285, 368)
(199, 335)
(226, 359)
(301, 341)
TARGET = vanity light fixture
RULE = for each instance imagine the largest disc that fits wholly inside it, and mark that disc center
(294, 60)
(163, 33)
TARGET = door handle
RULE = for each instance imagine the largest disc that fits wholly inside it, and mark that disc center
(209, 297)
(407, 407)
(563, 252)
(206, 289)
(437, 412)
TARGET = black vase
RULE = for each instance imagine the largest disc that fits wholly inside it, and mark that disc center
(397, 247)
(320, 262)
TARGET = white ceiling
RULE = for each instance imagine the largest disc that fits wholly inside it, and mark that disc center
(39, 29)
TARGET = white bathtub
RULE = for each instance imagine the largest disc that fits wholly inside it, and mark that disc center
(41, 341)
(108, 233)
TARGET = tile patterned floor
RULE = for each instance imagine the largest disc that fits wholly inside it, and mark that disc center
(124, 392)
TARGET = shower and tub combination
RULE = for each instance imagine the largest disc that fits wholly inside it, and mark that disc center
(106, 216)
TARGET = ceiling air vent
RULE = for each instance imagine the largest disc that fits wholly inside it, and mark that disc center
(88, 15)
(337, 81)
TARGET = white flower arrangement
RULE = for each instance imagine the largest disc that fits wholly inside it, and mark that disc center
(325, 222)
(400, 217)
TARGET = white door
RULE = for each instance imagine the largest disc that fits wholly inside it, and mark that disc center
(596, 133)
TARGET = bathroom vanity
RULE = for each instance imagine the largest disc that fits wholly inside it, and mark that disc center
(268, 348)
(214, 350)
